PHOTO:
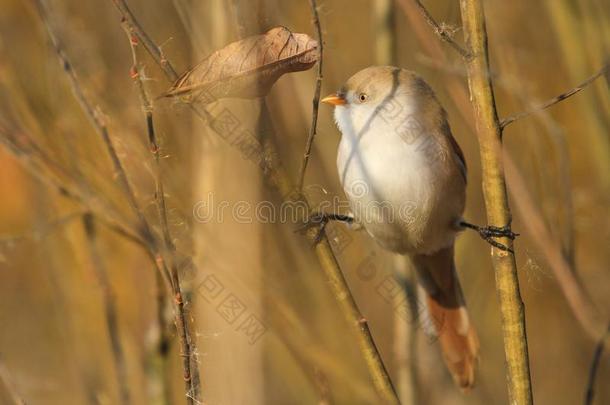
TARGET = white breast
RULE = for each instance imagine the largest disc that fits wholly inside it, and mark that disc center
(390, 170)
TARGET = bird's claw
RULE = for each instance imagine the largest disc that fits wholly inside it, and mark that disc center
(315, 220)
(488, 233)
(320, 220)
(498, 232)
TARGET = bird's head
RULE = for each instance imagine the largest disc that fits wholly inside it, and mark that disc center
(378, 95)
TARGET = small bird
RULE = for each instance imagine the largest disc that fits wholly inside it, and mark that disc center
(405, 177)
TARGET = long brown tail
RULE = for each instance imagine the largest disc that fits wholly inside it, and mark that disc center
(448, 316)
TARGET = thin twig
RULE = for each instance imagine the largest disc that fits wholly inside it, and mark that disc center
(604, 71)
(152, 48)
(316, 96)
(157, 352)
(110, 310)
(46, 170)
(192, 386)
(577, 297)
(95, 119)
(137, 74)
(170, 274)
(443, 33)
(607, 74)
(157, 368)
(40, 231)
(597, 356)
(6, 379)
(122, 231)
(99, 125)
(278, 179)
(509, 120)
(385, 32)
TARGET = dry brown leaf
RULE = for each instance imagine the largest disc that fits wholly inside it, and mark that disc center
(246, 68)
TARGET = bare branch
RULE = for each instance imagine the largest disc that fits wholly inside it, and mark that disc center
(445, 34)
(577, 297)
(597, 356)
(137, 76)
(497, 206)
(186, 346)
(122, 231)
(95, 119)
(509, 120)
(40, 231)
(145, 230)
(49, 172)
(152, 48)
(385, 32)
(110, 310)
(156, 253)
(154, 51)
(159, 354)
(316, 96)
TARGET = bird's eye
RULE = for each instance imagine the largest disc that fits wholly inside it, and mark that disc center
(363, 97)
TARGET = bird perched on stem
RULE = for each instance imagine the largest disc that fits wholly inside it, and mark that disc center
(405, 177)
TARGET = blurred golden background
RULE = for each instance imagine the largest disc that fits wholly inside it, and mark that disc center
(266, 326)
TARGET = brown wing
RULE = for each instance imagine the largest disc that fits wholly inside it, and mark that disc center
(455, 147)
(425, 90)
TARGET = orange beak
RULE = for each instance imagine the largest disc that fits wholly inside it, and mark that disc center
(334, 99)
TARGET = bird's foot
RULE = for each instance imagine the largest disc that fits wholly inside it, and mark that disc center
(488, 233)
(320, 220)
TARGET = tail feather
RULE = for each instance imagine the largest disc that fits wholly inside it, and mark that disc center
(448, 315)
